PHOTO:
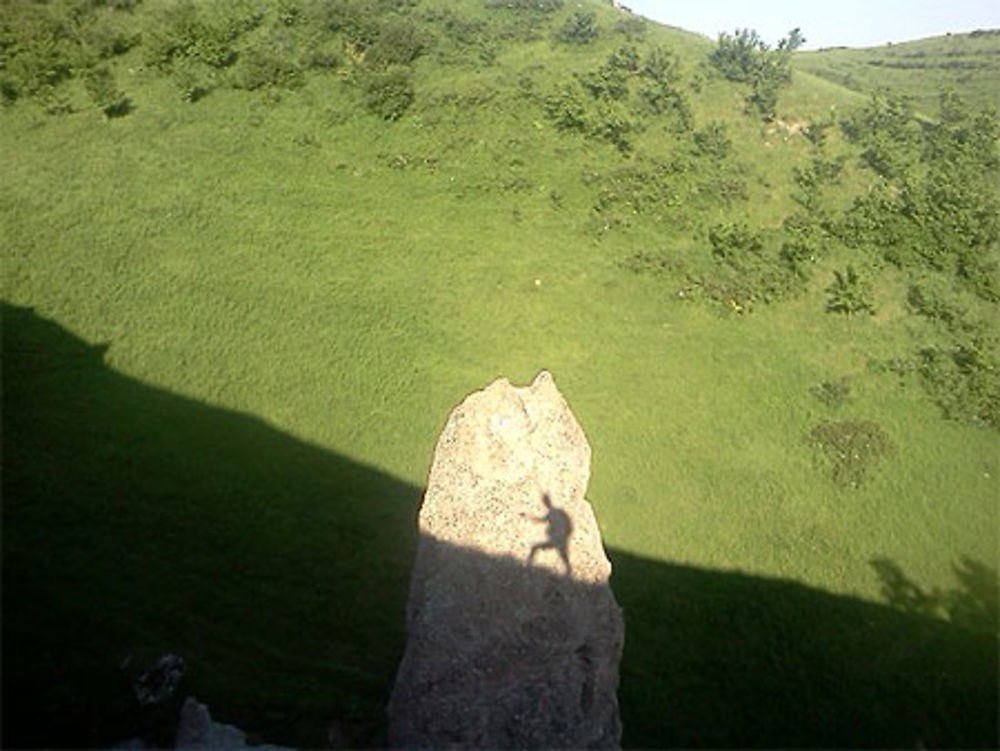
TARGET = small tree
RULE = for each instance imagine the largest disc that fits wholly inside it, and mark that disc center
(745, 57)
(849, 294)
(580, 28)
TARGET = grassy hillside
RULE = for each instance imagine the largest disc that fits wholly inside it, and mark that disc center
(254, 253)
(968, 63)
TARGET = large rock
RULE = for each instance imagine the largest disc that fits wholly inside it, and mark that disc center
(513, 634)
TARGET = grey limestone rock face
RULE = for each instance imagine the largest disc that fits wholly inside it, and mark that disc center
(513, 634)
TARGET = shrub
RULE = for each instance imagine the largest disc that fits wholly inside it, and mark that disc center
(105, 36)
(188, 31)
(832, 393)
(732, 243)
(853, 448)
(100, 84)
(388, 94)
(566, 110)
(931, 302)
(607, 82)
(887, 134)
(397, 42)
(193, 80)
(37, 51)
(579, 28)
(613, 123)
(738, 56)
(812, 179)
(849, 294)
(744, 57)
(964, 377)
(661, 65)
(259, 68)
(661, 98)
(805, 242)
(712, 141)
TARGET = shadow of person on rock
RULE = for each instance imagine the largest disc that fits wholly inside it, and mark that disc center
(560, 527)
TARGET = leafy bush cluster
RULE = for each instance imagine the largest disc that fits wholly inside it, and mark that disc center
(745, 57)
(938, 202)
(397, 42)
(609, 102)
(852, 448)
(389, 93)
(750, 268)
(207, 34)
(43, 45)
(579, 28)
(960, 372)
(849, 293)
(814, 178)
(833, 394)
(670, 187)
(964, 376)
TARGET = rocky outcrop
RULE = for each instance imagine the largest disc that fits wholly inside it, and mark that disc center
(513, 634)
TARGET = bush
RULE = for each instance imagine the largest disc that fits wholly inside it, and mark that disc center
(712, 141)
(832, 393)
(614, 124)
(105, 36)
(746, 58)
(37, 51)
(661, 98)
(887, 134)
(607, 82)
(388, 94)
(580, 28)
(397, 42)
(852, 448)
(732, 243)
(100, 84)
(738, 56)
(566, 110)
(188, 31)
(194, 81)
(259, 68)
(931, 302)
(849, 294)
(964, 377)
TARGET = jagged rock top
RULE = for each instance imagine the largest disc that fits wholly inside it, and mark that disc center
(502, 451)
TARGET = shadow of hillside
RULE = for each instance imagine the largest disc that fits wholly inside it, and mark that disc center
(136, 521)
(974, 604)
(738, 661)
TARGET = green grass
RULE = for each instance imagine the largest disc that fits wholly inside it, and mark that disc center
(967, 63)
(293, 294)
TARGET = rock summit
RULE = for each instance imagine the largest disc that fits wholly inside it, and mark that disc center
(513, 634)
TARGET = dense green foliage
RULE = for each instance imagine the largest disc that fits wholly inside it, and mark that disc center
(747, 58)
(236, 318)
